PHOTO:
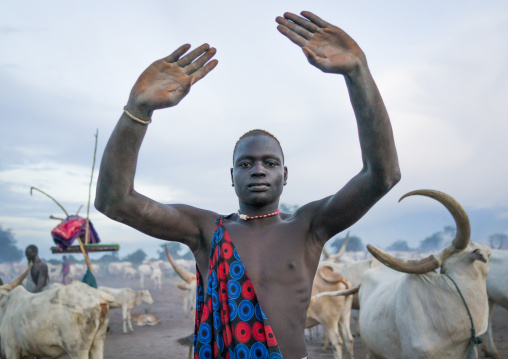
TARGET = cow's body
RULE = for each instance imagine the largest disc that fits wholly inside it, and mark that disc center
(127, 299)
(66, 320)
(421, 316)
(353, 272)
(117, 268)
(144, 270)
(497, 291)
(156, 276)
(333, 313)
(190, 285)
(411, 311)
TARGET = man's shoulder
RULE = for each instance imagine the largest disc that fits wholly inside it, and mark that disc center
(40, 265)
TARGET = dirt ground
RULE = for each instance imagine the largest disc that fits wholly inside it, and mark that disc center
(160, 342)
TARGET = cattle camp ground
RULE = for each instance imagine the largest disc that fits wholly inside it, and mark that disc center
(161, 341)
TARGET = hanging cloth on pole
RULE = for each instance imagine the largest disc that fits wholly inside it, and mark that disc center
(69, 229)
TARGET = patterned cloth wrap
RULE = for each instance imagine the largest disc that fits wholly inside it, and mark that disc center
(229, 321)
(70, 228)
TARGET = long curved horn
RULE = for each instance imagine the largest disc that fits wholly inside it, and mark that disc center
(344, 292)
(183, 273)
(342, 250)
(10, 286)
(460, 217)
(431, 262)
(416, 266)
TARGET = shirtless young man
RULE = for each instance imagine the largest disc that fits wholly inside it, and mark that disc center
(280, 252)
(38, 279)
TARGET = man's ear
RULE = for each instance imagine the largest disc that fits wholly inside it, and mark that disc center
(232, 181)
(285, 175)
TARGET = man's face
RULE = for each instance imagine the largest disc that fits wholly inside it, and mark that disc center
(258, 172)
(30, 254)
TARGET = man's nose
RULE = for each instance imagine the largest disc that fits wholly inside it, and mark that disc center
(258, 171)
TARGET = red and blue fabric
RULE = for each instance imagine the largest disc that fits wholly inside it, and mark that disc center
(230, 323)
(71, 228)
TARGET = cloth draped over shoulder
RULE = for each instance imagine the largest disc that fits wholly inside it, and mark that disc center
(229, 320)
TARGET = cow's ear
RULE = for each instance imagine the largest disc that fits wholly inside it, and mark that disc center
(478, 255)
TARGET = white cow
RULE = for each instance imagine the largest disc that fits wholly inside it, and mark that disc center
(144, 270)
(67, 320)
(497, 291)
(129, 272)
(419, 314)
(127, 299)
(190, 285)
(156, 276)
(118, 268)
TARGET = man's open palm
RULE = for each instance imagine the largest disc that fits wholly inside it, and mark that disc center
(326, 46)
(167, 81)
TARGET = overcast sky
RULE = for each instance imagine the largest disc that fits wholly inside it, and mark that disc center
(66, 69)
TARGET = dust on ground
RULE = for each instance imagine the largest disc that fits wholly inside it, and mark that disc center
(160, 341)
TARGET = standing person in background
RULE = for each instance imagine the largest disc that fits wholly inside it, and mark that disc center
(258, 257)
(38, 278)
(66, 268)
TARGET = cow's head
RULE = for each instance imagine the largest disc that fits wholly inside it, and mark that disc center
(460, 254)
(145, 297)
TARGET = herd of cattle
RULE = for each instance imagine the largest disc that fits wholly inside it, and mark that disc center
(432, 307)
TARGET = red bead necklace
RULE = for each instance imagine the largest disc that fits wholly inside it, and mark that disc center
(246, 218)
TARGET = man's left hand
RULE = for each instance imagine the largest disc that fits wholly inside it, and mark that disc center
(326, 46)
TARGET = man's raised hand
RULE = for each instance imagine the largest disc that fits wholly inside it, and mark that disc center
(326, 46)
(167, 81)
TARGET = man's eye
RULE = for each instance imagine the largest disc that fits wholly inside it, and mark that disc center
(244, 165)
(271, 164)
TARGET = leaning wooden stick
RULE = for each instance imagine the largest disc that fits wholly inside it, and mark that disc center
(87, 259)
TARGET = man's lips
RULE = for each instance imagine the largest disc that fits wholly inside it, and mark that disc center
(258, 186)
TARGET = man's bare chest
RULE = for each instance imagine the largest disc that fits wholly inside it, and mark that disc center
(274, 254)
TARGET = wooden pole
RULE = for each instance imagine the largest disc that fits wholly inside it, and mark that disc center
(87, 239)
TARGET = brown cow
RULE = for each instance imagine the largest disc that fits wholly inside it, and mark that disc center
(333, 313)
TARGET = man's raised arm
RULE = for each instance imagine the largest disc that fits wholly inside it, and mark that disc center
(333, 51)
(163, 84)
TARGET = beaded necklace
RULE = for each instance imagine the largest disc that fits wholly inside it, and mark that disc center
(246, 218)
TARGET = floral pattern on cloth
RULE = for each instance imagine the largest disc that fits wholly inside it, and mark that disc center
(230, 323)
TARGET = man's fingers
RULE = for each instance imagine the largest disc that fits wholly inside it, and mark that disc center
(307, 24)
(177, 53)
(203, 59)
(202, 72)
(311, 56)
(315, 19)
(291, 35)
(301, 31)
(191, 56)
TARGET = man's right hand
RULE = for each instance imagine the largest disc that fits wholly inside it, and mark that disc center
(167, 81)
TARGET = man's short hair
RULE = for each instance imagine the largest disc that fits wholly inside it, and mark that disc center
(257, 132)
(32, 247)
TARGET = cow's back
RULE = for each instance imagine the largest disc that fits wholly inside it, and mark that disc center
(66, 319)
(497, 279)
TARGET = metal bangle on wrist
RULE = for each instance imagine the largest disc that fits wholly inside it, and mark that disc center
(135, 118)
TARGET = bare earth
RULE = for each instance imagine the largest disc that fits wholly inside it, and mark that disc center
(160, 342)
